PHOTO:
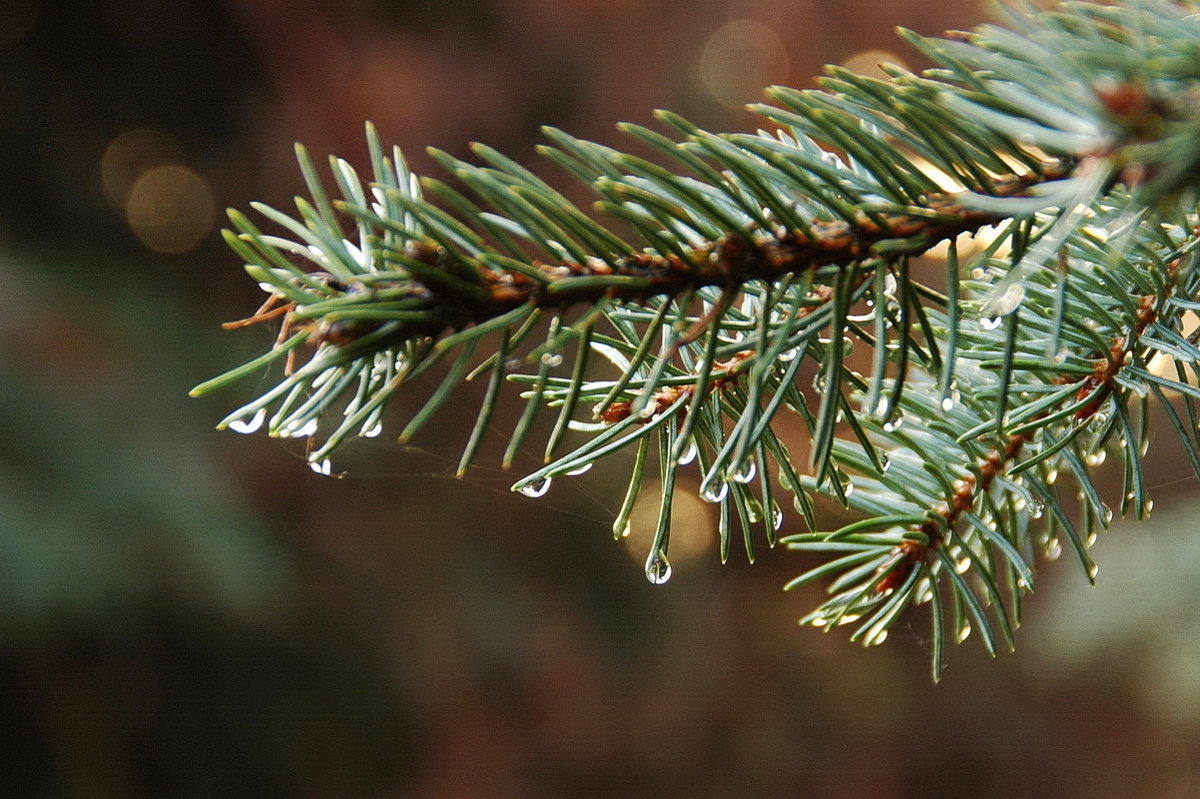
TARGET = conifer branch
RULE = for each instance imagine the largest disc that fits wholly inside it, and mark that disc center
(1066, 145)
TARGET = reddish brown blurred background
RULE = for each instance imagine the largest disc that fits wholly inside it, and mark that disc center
(193, 614)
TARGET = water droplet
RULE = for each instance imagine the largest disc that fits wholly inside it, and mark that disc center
(658, 569)
(1096, 458)
(1053, 549)
(924, 591)
(885, 462)
(537, 488)
(947, 404)
(689, 454)
(1093, 570)
(324, 468)
(776, 517)
(894, 422)
(962, 565)
(989, 323)
(1036, 509)
(789, 355)
(714, 489)
(745, 471)
(1149, 505)
(846, 483)
(1005, 302)
(1090, 540)
(245, 426)
(1020, 504)
(373, 431)
(1051, 477)
(818, 621)
(552, 359)
(963, 633)
(580, 469)
(1107, 514)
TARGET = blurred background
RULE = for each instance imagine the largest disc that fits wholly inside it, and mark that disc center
(186, 613)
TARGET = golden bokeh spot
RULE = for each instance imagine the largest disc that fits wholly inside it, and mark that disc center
(131, 155)
(171, 209)
(867, 63)
(692, 528)
(739, 59)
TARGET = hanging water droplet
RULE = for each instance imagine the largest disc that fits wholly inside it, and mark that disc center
(324, 468)
(714, 489)
(990, 323)
(885, 462)
(1093, 570)
(924, 591)
(689, 453)
(847, 485)
(245, 426)
(552, 359)
(947, 404)
(373, 431)
(1090, 541)
(1036, 509)
(963, 633)
(962, 565)
(578, 470)
(1096, 458)
(1020, 504)
(1051, 477)
(789, 355)
(1149, 505)
(745, 471)
(537, 488)
(776, 516)
(1107, 514)
(1053, 549)
(658, 569)
(894, 422)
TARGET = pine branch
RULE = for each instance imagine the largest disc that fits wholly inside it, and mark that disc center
(1069, 142)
